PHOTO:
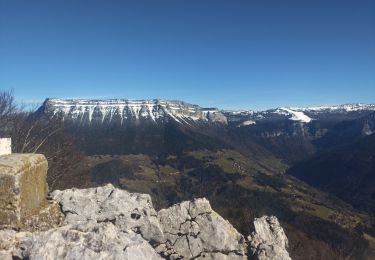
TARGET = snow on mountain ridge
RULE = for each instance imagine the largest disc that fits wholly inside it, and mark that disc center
(343, 107)
(124, 109)
(300, 114)
(283, 111)
(296, 115)
(157, 110)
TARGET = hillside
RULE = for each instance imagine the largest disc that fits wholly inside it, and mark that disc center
(347, 171)
(237, 160)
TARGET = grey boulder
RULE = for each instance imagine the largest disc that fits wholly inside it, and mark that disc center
(87, 241)
(193, 230)
(268, 240)
(108, 204)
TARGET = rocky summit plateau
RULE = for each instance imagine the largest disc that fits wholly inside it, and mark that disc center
(123, 111)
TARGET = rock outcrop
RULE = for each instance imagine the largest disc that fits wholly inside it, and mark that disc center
(268, 240)
(193, 230)
(110, 223)
(127, 211)
(189, 230)
(89, 240)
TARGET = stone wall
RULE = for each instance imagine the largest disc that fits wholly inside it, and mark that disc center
(23, 187)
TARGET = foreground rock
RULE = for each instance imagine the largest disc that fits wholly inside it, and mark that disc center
(110, 223)
(88, 241)
(193, 230)
(186, 230)
(80, 241)
(268, 240)
(127, 211)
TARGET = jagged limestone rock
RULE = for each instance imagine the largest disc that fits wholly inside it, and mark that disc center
(108, 204)
(268, 240)
(110, 223)
(89, 240)
(189, 229)
(23, 187)
(193, 230)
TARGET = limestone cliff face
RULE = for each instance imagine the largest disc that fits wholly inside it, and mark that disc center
(110, 223)
(123, 111)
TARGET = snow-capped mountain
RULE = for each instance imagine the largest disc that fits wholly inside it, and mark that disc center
(122, 110)
(271, 114)
(302, 114)
(344, 108)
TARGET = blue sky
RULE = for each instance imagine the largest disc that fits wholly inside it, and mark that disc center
(228, 54)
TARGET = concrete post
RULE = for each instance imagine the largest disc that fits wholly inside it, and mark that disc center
(23, 187)
(5, 146)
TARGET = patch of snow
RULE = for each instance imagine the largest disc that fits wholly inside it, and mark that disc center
(239, 112)
(296, 115)
(337, 108)
(247, 123)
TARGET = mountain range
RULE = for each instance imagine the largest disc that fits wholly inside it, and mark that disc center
(159, 110)
(312, 167)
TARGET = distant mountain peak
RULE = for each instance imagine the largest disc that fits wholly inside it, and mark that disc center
(349, 107)
(122, 110)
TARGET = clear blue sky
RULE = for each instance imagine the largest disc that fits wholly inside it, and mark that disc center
(229, 54)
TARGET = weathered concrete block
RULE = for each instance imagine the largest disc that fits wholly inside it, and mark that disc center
(23, 187)
(5, 146)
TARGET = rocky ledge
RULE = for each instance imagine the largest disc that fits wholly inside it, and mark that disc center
(110, 223)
